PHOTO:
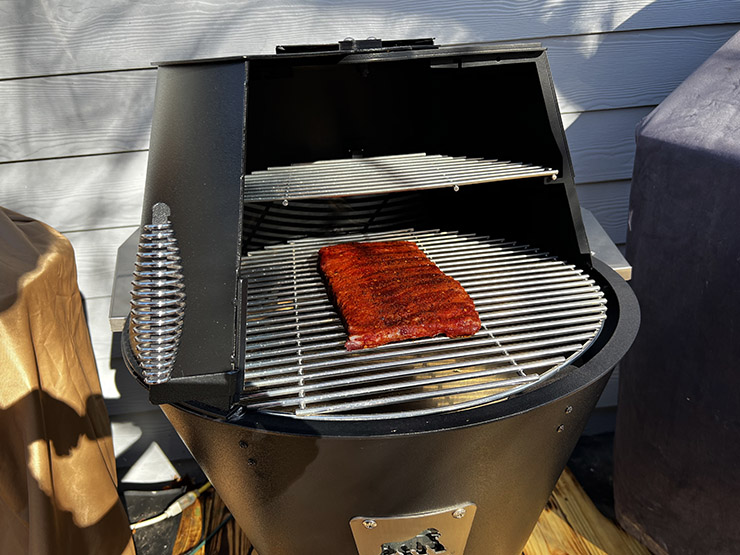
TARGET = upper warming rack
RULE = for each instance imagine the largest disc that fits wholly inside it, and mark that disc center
(381, 174)
(538, 315)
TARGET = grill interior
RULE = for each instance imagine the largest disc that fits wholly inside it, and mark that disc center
(538, 315)
(380, 174)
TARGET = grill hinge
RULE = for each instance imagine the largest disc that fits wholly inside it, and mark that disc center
(220, 390)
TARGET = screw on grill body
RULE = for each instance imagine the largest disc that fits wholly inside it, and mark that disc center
(459, 513)
(568, 409)
(369, 524)
(560, 428)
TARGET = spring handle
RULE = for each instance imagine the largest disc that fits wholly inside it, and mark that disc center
(157, 298)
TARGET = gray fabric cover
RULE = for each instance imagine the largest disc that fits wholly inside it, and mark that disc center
(677, 445)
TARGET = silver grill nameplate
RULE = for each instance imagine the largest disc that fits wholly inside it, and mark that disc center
(442, 532)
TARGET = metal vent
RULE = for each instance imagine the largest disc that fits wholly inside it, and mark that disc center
(381, 174)
(538, 315)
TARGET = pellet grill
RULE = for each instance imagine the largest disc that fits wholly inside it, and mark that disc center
(426, 446)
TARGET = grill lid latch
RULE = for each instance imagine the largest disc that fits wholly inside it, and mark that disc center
(349, 44)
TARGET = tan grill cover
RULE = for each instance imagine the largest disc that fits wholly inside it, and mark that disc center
(57, 467)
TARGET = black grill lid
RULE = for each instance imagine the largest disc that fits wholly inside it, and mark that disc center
(217, 123)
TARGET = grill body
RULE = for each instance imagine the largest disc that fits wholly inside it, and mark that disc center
(297, 494)
(250, 153)
(295, 484)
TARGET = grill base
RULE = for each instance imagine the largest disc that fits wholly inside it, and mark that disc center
(294, 484)
(308, 489)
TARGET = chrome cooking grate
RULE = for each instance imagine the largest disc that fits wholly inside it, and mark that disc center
(538, 315)
(380, 174)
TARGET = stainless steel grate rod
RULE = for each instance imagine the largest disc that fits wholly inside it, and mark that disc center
(362, 361)
(495, 307)
(432, 239)
(381, 174)
(304, 272)
(337, 328)
(318, 308)
(396, 386)
(533, 307)
(377, 354)
(332, 342)
(412, 397)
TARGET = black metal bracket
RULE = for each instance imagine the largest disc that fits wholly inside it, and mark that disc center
(350, 45)
(355, 45)
(220, 390)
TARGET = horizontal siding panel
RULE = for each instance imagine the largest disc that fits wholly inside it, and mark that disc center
(74, 115)
(106, 35)
(641, 68)
(609, 203)
(72, 194)
(70, 115)
(602, 143)
(95, 254)
(107, 189)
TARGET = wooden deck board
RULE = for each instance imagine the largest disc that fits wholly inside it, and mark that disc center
(570, 525)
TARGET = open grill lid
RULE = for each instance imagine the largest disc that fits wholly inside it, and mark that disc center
(232, 136)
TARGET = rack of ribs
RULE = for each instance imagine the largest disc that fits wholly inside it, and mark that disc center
(390, 291)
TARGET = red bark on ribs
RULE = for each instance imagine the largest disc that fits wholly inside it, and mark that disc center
(390, 291)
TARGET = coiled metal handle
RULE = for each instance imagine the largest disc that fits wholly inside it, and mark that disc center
(157, 299)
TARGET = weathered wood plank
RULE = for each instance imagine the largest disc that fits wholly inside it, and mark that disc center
(95, 255)
(609, 203)
(72, 115)
(73, 194)
(230, 540)
(77, 37)
(602, 143)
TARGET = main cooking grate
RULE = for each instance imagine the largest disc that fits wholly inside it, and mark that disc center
(538, 315)
(380, 174)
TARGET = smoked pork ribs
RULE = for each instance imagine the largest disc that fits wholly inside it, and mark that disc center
(390, 291)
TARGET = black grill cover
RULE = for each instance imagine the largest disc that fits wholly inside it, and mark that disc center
(677, 447)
